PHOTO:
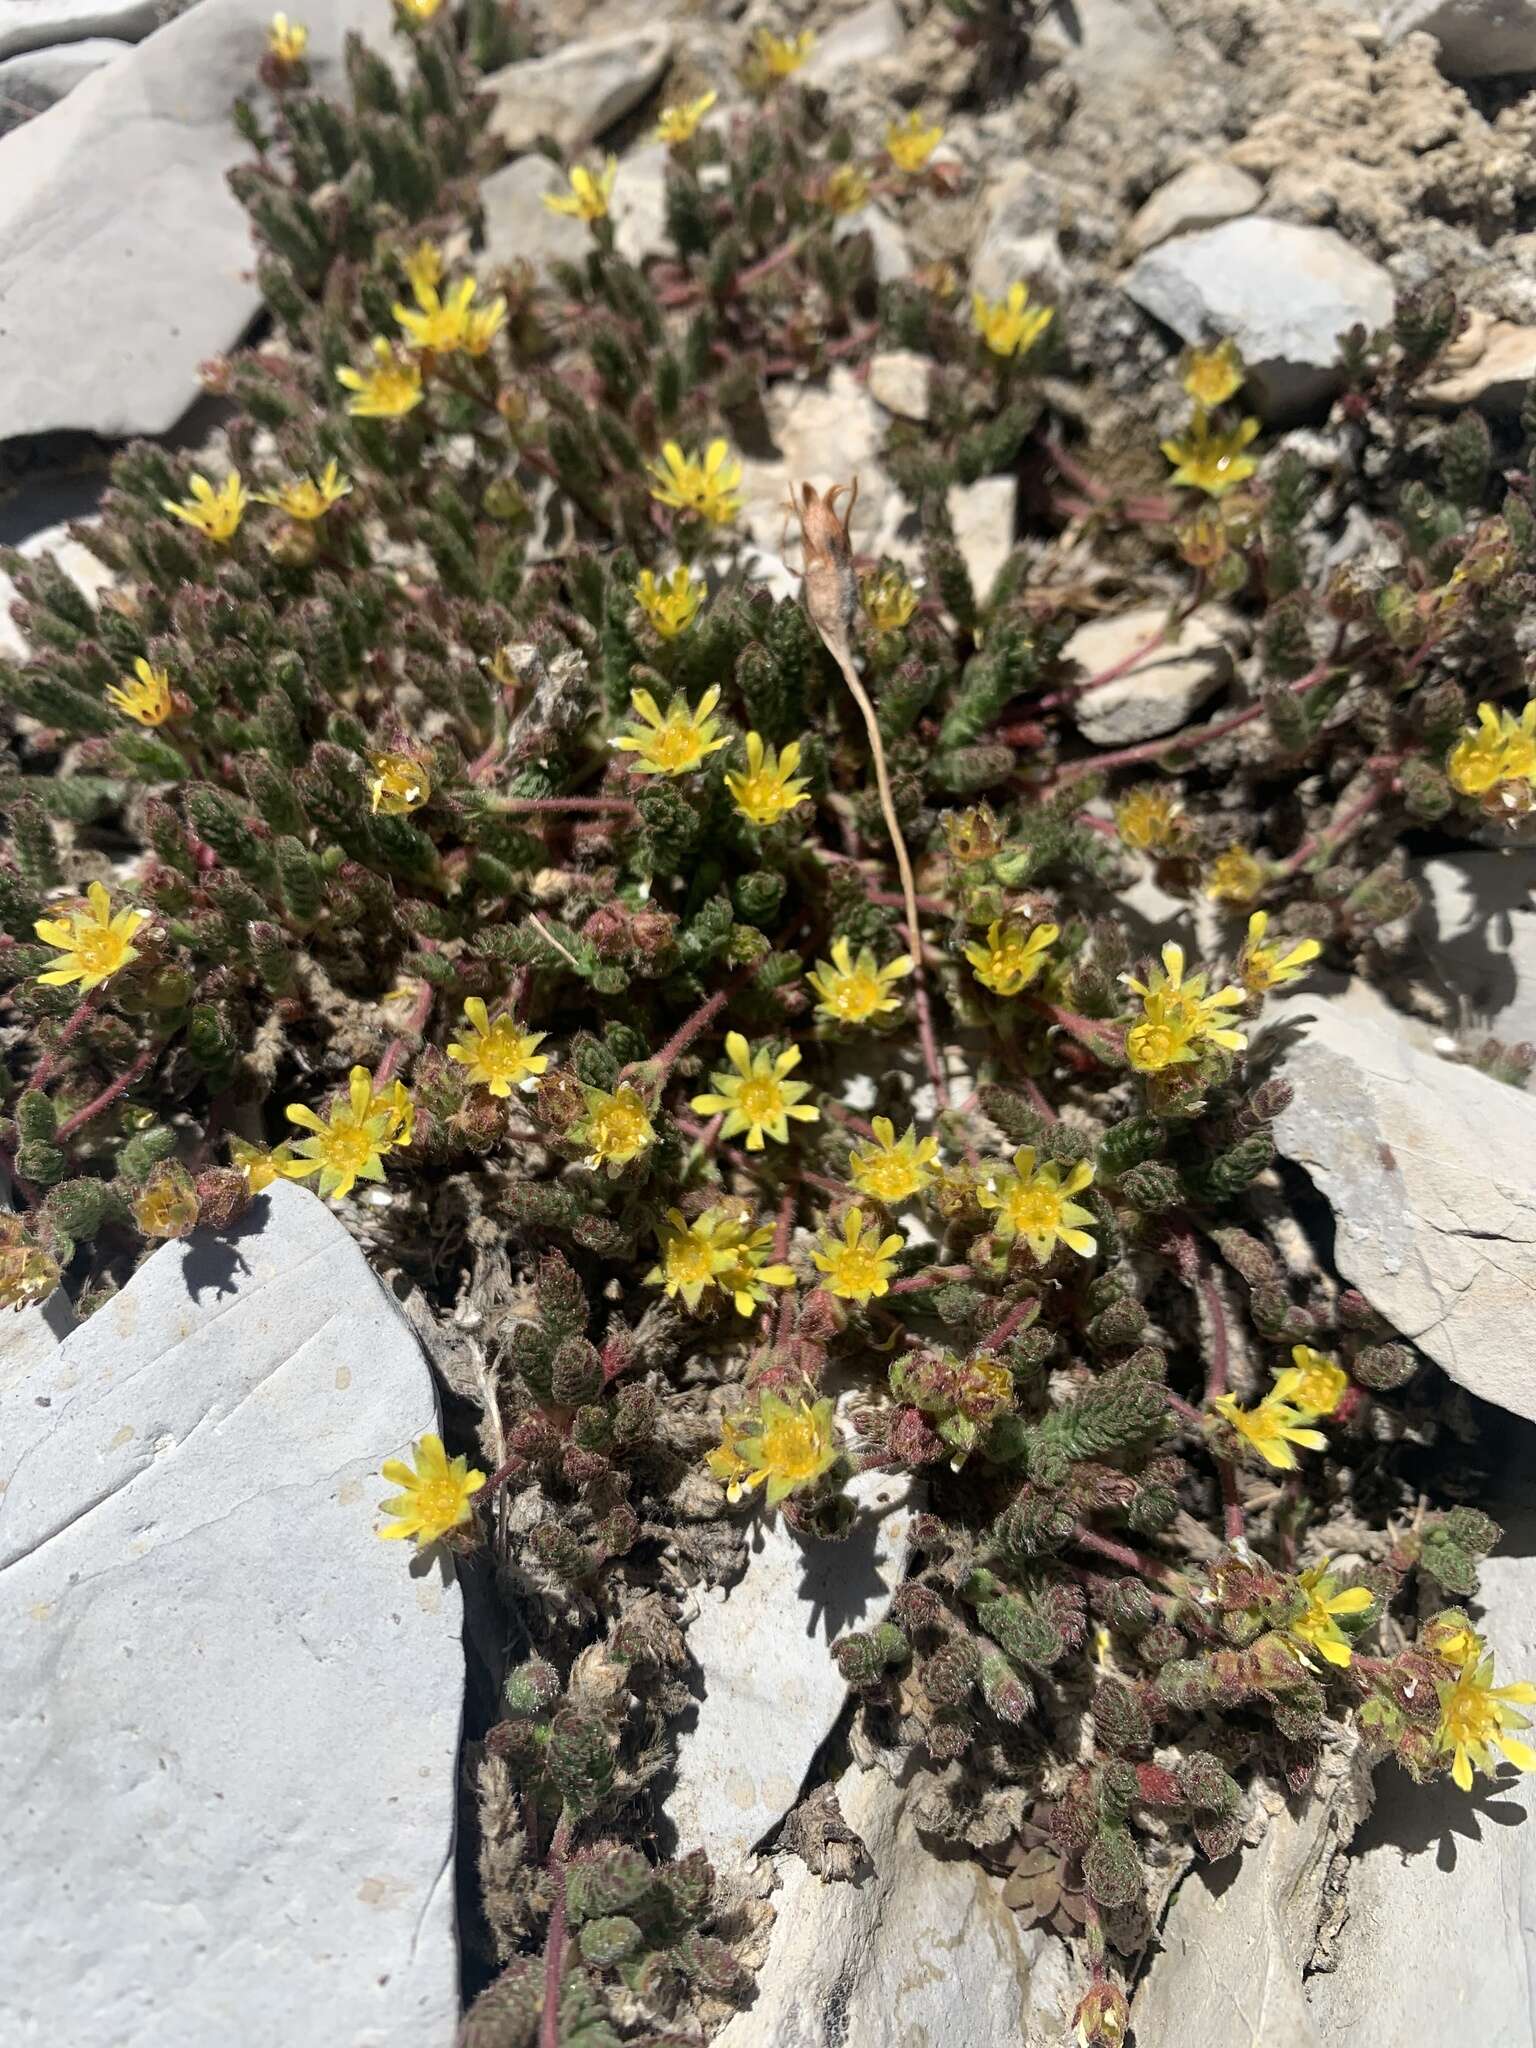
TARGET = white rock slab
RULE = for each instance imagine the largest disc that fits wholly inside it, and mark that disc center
(519, 227)
(866, 37)
(1477, 38)
(1200, 196)
(578, 92)
(1430, 1169)
(1017, 237)
(1477, 927)
(984, 515)
(1491, 366)
(33, 81)
(79, 565)
(825, 434)
(1164, 688)
(115, 199)
(36, 24)
(232, 1712)
(640, 203)
(922, 1951)
(901, 379)
(772, 1689)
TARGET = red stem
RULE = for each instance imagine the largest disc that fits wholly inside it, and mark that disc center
(1216, 1373)
(107, 1097)
(78, 1018)
(555, 1939)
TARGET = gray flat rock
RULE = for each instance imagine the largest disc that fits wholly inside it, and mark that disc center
(576, 93)
(1017, 237)
(519, 227)
(1283, 293)
(1165, 687)
(866, 37)
(1477, 38)
(1201, 196)
(37, 24)
(115, 199)
(984, 515)
(36, 79)
(78, 563)
(1491, 366)
(825, 434)
(229, 1770)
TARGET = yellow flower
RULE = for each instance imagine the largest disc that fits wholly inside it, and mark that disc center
(1451, 1637)
(757, 1097)
(1211, 461)
(1010, 326)
(852, 991)
(845, 190)
(434, 1497)
(680, 123)
(216, 514)
(167, 1206)
(769, 790)
(1035, 1203)
(148, 700)
(28, 1275)
(499, 1056)
(892, 1169)
(859, 1264)
(1012, 956)
(391, 388)
(444, 324)
(1212, 375)
(287, 40)
(399, 784)
(1316, 1628)
(889, 601)
(482, 324)
(753, 1270)
(399, 1110)
(589, 196)
(1474, 1713)
(347, 1146)
(1502, 748)
(93, 944)
(701, 488)
(423, 268)
(725, 1462)
(261, 1164)
(674, 744)
(781, 56)
(1261, 968)
(418, 10)
(789, 1444)
(1312, 1381)
(1151, 820)
(909, 144)
(1272, 1429)
(308, 498)
(617, 1127)
(693, 1255)
(671, 605)
(1237, 876)
(1177, 1015)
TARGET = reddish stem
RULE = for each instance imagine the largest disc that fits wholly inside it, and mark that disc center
(1216, 1375)
(555, 1939)
(107, 1097)
(1122, 1554)
(1343, 826)
(934, 1277)
(74, 1024)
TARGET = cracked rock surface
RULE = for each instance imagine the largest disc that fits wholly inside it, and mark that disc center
(228, 1775)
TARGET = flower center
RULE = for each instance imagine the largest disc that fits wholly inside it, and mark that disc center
(618, 1128)
(791, 1448)
(759, 1100)
(347, 1148)
(690, 1263)
(501, 1055)
(1031, 1210)
(99, 950)
(889, 1179)
(761, 792)
(438, 1503)
(856, 996)
(675, 746)
(858, 1270)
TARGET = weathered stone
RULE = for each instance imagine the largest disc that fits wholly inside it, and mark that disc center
(900, 379)
(825, 434)
(1200, 196)
(1428, 1168)
(772, 1690)
(921, 1950)
(856, 42)
(639, 205)
(1017, 237)
(229, 1774)
(37, 79)
(1283, 293)
(115, 199)
(1240, 1932)
(1491, 366)
(1477, 38)
(519, 227)
(983, 516)
(888, 242)
(578, 92)
(77, 562)
(1165, 687)
(1477, 926)
(40, 24)
(1113, 42)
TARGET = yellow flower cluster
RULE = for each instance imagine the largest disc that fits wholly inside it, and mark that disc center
(790, 1444)
(435, 1493)
(852, 991)
(1178, 1019)
(1152, 819)
(670, 603)
(440, 323)
(755, 1094)
(680, 123)
(910, 143)
(1010, 326)
(1206, 456)
(770, 789)
(215, 514)
(1316, 1628)
(676, 741)
(701, 487)
(1305, 1392)
(718, 1250)
(1475, 1714)
(93, 942)
(859, 1264)
(617, 1127)
(1012, 955)
(1498, 752)
(145, 696)
(589, 196)
(889, 601)
(892, 1169)
(353, 1141)
(498, 1056)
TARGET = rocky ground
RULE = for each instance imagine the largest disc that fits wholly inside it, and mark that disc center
(1277, 170)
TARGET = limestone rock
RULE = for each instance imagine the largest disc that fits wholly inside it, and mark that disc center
(640, 204)
(888, 242)
(1427, 1166)
(1491, 366)
(32, 81)
(115, 200)
(519, 227)
(825, 434)
(1165, 687)
(1477, 927)
(772, 1690)
(1283, 293)
(1477, 38)
(229, 1776)
(983, 516)
(921, 1950)
(1017, 236)
(859, 40)
(900, 380)
(40, 24)
(77, 562)
(578, 92)
(1113, 42)
(1200, 196)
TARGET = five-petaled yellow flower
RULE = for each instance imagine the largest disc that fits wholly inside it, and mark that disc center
(145, 696)
(680, 123)
(789, 1444)
(1034, 1202)
(1316, 1627)
(93, 944)
(445, 323)
(854, 990)
(1178, 1016)
(287, 40)
(399, 784)
(674, 743)
(347, 1146)
(909, 143)
(1274, 1429)
(770, 789)
(1474, 1717)
(616, 1128)
(261, 1164)
(216, 514)
(781, 56)
(498, 1055)
(755, 1094)
(1211, 459)
(670, 603)
(1010, 326)
(1212, 375)
(692, 1255)
(859, 1264)
(889, 601)
(435, 1496)
(1012, 956)
(892, 1169)
(702, 488)
(845, 189)
(1237, 876)
(309, 498)
(1261, 968)
(1151, 820)
(1312, 1381)
(1500, 748)
(589, 196)
(388, 390)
